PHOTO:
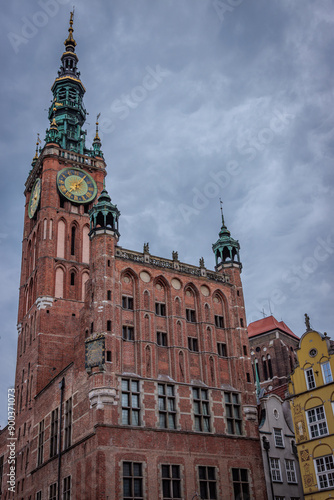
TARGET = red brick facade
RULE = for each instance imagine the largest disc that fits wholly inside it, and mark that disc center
(158, 398)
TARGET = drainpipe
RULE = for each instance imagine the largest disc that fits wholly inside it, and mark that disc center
(61, 387)
(266, 446)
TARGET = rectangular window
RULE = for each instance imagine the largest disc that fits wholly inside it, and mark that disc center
(279, 497)
(127, 302)
(275, 469)
(192, 344)
(240, 484)
(233, 413)
(191, 315)
(53, 491)
(279, 443)
(67, 488)
(201, 409)
(167, 411)
(326, 372)
(162, 339)
(325, 471)
(219, 321)
(222, 350)
(310, 380)
(40, 443)
(207, 482)
(128, 333)
(171, 482)
(68, 424)
(130, 402)
(160, 309)
(54, 433)
(290, 470)
(132, 481)
(39, 495)
(317, 422)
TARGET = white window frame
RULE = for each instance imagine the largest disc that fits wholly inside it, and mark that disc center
(275, 470)
(290, 469)
(316, 421)
(310, 380)
(326, 372)
(327, 474)
(278, 437)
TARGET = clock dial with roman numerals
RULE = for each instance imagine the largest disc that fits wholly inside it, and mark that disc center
(76, 185)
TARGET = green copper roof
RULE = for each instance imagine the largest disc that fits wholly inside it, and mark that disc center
(67, 113)
(226, 249)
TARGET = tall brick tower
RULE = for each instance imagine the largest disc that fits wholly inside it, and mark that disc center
(134, 377)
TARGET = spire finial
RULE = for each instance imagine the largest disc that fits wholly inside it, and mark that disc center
(35, 158)
(70, 40)
(307, 322)
(221, 210)
(97, 138)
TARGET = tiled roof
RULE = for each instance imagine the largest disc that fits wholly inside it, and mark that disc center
(279, 391)
(267, 325)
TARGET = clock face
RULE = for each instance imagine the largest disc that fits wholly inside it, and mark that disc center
(76, 185)
(34, 198)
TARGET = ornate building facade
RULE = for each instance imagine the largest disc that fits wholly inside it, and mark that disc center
(134, 376)
(311, 394)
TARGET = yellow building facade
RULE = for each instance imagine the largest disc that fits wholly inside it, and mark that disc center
(311, 394)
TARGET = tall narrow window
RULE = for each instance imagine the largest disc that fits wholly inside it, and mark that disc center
(61, 240)
(265, 371)
(310, 380)
(73, 240)
(130, 402)
(207, 482)
(240, 484)
(219, 321)
(233, 413)
(72, 279)
(67, 488)
(160, 309)
(326, 372)
(222, 350)
(290, 470)
(193, 344)
(270, 367)
(201, 409)
(132, 481)
(128, 333)
(279, 443)
(109, 295)
(171, 482)
(68, 423)
(40, 443)
(54, 433)
(275, 469)
(162, 339)
(53, 491)
(167, 411)
(191, 315)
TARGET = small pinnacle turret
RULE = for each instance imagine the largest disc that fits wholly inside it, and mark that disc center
(104, 215)
(226, 249)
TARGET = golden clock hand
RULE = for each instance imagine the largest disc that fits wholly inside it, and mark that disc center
(80, 181)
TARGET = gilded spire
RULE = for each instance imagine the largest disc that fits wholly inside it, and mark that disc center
(221, 210)
(97, 138)
(70, 42)
(35, 158)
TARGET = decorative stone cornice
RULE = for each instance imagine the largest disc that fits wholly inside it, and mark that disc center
(145, 258)
(100, 396)
(44, 302)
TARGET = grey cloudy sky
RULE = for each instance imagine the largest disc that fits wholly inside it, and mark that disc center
(240, 106)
